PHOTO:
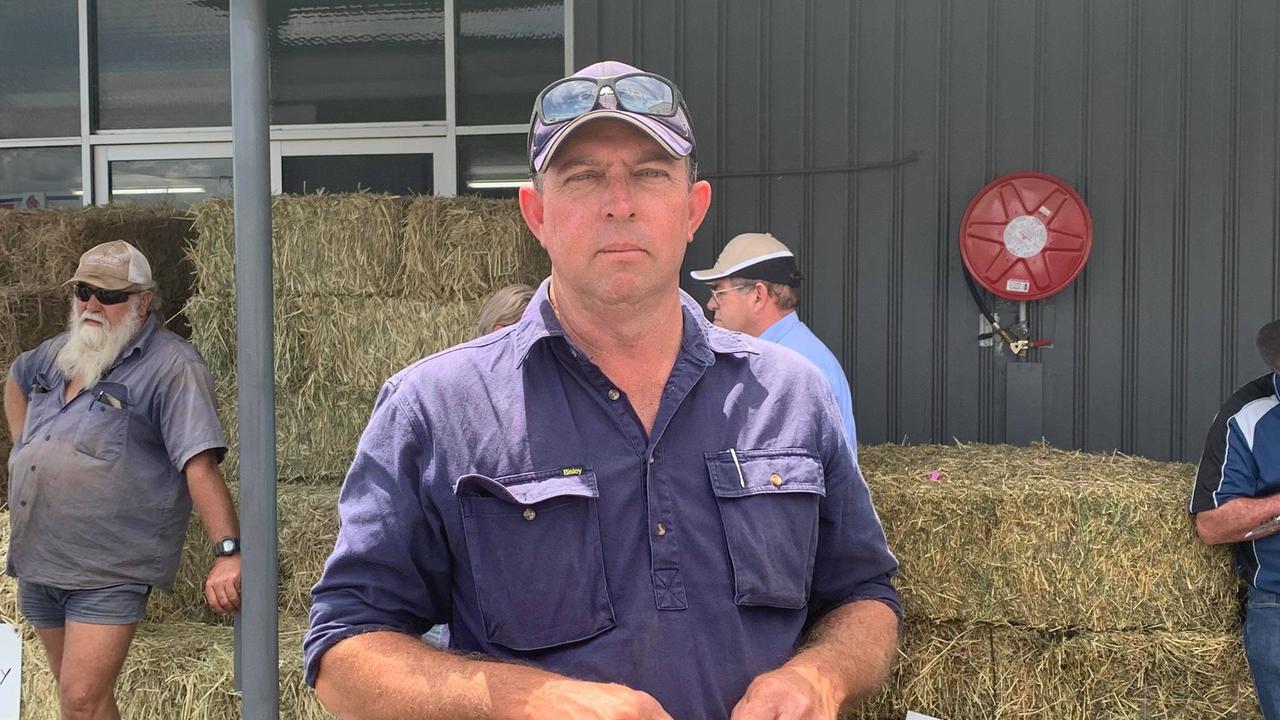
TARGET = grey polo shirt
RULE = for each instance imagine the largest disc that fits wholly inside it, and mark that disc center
(96, 491)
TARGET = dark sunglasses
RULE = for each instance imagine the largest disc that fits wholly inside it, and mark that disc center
(106, 297)
(642, 93)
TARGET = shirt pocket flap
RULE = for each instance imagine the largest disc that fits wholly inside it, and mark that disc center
(742, 473)
(531, 487)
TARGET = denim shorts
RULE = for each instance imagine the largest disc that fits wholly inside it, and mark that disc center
(51, 607)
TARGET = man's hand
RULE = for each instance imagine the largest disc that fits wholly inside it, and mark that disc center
(788, 693)
(560, 698)
(222, 587)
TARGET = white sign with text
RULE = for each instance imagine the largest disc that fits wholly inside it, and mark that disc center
(918, 716)
(10, 671)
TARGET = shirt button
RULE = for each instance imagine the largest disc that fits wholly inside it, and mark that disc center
(33, 467)
(652, 458)
(529, 514)
(776, 479)
(23, 503)
(614, 394)
(49, 437)
(662, 529)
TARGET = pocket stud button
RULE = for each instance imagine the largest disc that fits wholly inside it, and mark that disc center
(614, 394)
(529, 514)
(776, 480)
(662, 529)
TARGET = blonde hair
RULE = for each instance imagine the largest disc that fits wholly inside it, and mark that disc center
(503, 308)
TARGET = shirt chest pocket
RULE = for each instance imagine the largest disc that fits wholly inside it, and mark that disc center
(768, 501)
(534, 546)
(103, 428)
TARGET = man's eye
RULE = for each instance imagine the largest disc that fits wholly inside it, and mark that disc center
(650, 173)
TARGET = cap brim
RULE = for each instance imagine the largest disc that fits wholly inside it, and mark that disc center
(671, 142)
(715, 273)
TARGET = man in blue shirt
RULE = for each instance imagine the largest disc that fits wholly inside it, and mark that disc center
(755, 289)
(1236, 499)
(621, 510)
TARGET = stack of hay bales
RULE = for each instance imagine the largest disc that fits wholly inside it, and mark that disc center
(1040, 583)
(364, 285)
(39, 251)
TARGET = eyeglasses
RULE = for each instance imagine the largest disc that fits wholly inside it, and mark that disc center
(642, 93)
(715, 294)
(106, 297)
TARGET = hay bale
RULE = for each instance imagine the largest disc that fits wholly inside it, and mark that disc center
(41, 248)
(29, 315)
(464, 248)
(336, 343)
(1187, 675)
(1049, 539)
(436, 248)
(182, 671)
(943, 670)
(332, 356)
(322, 244)
(317, 430)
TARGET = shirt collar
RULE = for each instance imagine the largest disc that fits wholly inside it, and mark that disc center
(139, 342)
(779, 329)
(702, 340)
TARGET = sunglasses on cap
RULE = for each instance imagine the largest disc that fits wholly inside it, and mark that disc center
(641, 93)
(106, 297)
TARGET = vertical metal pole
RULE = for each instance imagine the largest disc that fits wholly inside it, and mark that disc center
(259, 648)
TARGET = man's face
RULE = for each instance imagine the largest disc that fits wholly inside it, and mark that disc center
(615, 213)
(93, 313)
(731, 304)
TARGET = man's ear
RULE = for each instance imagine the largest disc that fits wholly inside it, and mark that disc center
(532, 209)
(145, 304)
(699, 203)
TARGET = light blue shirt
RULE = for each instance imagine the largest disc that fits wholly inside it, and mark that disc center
(789, 332)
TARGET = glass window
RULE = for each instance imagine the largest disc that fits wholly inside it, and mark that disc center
(162, 63)
(33, 178)
(508, 50)
(170, 182)
(492, 165)
(341, 61)
(396, 174)
(39, 69)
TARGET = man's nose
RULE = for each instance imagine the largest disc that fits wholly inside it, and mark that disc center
(619, 199)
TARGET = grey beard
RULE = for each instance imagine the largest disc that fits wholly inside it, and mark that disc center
(91, 350)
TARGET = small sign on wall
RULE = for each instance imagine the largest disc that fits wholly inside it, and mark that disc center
(10, 671)
(918, 716)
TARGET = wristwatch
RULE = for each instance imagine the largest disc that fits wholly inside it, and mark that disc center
(226, 547)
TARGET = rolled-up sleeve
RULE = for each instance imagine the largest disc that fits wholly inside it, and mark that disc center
(853, 561)
(389, 569)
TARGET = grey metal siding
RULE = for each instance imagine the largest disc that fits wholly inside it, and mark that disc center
(1162, 114)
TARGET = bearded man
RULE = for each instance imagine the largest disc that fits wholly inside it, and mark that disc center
(115, 437)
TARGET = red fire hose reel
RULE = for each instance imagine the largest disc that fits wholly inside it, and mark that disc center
(1024, 236)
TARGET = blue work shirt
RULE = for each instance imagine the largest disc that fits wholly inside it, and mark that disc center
(790, 332)
(97, 496)
(1241, 459)
(506, 487)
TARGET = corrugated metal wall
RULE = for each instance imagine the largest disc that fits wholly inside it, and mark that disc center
(1162, 113)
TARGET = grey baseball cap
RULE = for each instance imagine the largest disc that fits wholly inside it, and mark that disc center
(673, 132)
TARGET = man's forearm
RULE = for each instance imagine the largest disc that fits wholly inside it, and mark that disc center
(211, 498)
(1229, 522)
(851, 651)
(388, 676)
(15, 408)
